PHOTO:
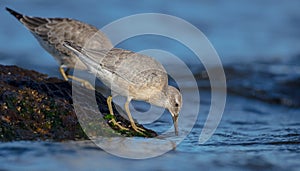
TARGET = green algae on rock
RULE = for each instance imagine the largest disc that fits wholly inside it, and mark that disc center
(36, 107)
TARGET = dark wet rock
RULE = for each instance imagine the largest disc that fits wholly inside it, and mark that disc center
(266, 82)
(36, 107)
(272, 82)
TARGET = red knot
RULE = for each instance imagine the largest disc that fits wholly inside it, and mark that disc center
(135, 76)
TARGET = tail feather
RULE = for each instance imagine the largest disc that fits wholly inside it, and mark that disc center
(29, 22)
(14, 13)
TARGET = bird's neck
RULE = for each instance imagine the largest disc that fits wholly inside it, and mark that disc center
(159, 100)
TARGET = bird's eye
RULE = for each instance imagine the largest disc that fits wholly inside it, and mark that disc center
(176, 104)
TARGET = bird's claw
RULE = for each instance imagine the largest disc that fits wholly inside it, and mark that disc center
(114, 122)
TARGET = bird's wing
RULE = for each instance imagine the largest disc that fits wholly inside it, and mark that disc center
(134, 68)
(137, 68)
(93, 65)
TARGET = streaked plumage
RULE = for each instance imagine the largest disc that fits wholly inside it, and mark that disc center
(52, 32)
(134, 76)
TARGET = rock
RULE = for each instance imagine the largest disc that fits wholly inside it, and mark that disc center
(36, 107)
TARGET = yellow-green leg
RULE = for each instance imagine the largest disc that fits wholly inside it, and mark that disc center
(137, 129)
(66, 77)
(109, 100)
(84, 83)
(63, 73)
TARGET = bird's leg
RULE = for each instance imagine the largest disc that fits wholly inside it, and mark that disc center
(109, 100)
(66, 77)
(137, 129)
(63, 73)
(83, 82)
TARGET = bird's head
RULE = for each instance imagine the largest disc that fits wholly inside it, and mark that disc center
(174, 104)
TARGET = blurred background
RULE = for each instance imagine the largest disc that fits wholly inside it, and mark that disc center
(239, 31)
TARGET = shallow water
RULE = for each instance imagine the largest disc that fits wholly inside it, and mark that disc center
(257, 137)
(258, 42)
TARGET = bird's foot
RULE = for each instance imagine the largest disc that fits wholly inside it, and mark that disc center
(138, 129)
(141, 129)
(87, 85)
(83, 82)
(114, 122)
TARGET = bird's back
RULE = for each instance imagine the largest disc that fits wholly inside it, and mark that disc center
(137, 69)
(53, 32)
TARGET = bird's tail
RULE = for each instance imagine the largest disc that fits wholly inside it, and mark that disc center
(14, 13)
(29, 22)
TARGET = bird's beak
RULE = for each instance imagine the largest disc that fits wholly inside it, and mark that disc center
(175, 122)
